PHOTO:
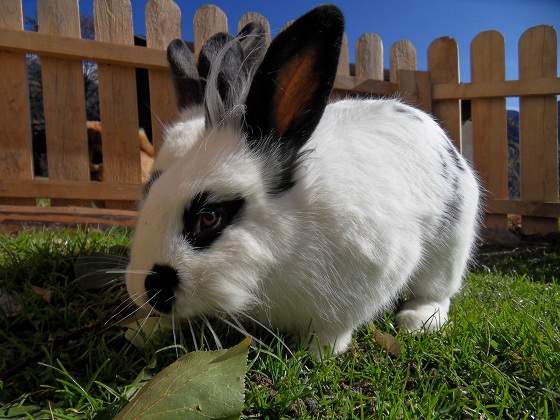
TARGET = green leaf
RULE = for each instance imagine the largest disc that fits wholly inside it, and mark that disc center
(202, 384)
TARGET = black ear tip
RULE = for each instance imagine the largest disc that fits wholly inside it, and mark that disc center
(254, 28)
(327, 13)
(176, 51)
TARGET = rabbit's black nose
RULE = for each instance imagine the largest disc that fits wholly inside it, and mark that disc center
(160, 286)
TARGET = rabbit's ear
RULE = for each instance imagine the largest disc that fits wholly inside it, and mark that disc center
(253, 42)
(220, 64)
(188, 90)
(209, 52)
(291, 88)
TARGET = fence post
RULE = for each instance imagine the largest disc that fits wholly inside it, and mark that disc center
(64, 99)
(117, 98)
(489, 122)
(402, 57)
(443, 65)
(538, 127)
(163, 25)
(369, 57)
(255, 17)
(416, 88)
(15, 135)
(207, 21)
(343, 61)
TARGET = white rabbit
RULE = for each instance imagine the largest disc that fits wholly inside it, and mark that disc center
(309, 217)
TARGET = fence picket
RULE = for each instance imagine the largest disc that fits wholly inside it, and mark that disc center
(163, 25)
(489, 123)
(344, 61)
(538, 127)
(15, 137)
(255, 17)
(369, 57)
(64, 98)
(402, 56)
(443, 65)
(207, 21)
(117, 98)
(439, 89)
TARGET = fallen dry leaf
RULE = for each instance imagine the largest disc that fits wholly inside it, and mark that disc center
(44, 293)
(388, 342)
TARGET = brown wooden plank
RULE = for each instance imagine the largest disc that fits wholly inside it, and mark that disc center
(163, 25)
(369, 57)
(208, 20)
(16, 152)
(416, 88)
(77, 49)
(538, 127)
(366, 87)
(117, 97)
(13, 218)
(64, 98)
(443, 65)
(255, 17)
(497, 89)
(344, 60)
(85, 190)
(523, 208)
(489, 122)
(402, 56)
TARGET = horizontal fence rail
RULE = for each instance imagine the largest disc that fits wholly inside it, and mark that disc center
(437, 90)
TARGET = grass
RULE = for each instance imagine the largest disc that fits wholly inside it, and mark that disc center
(501, 358)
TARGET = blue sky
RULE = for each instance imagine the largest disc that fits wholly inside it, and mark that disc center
(419, 21)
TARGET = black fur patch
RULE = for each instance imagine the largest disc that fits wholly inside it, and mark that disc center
(453, 205)
(454, 154)
(408, 112)
(150, 182)
(199, 236)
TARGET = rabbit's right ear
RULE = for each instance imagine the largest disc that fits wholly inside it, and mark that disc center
(291, 88)
(188, 89)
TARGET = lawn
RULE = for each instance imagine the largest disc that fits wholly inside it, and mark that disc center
(64, 354)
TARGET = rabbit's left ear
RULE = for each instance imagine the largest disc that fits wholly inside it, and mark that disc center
(292, 86)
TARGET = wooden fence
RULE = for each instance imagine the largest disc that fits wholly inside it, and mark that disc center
(437, 90)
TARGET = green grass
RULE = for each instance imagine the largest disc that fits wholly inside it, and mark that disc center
(500, 359)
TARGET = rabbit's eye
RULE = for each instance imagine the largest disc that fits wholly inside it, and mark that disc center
(209, 220)
(204, 220)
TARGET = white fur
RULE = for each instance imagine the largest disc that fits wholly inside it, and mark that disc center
(362, 224)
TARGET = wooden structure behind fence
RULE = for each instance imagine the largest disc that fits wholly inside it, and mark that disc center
(437, 90)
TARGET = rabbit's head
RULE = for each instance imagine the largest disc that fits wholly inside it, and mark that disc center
(213, 223)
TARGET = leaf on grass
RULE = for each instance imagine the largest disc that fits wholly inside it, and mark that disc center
(388, 342)
(138, 332)
(9, 305)
(44, 293)
(199, 385)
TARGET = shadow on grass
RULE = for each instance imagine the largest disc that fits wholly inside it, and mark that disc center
(536, 257)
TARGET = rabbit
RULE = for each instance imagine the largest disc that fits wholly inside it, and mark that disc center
(311, 217)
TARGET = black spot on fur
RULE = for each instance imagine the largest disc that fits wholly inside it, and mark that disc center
(454, 154)
(150, 182)
(225, 212)
(160, 285)
(408, 112)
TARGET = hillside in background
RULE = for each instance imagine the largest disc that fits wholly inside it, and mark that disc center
(513, 151)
